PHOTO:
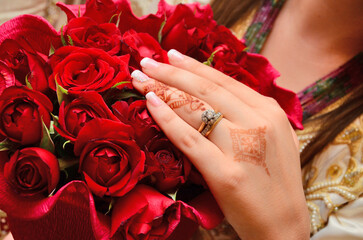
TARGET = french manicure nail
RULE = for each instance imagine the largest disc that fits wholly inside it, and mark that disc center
(175, 55)
(153, 99)
(148, 63)
(139, 76)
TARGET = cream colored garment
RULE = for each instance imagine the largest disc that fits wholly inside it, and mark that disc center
(334, 184)
(12, 8)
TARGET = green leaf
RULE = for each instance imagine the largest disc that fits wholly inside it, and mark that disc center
(28, 84)
(70, 40)
(66, 163)
(55, 120)
(6, 145)
(110, 206)
(62, 37)
(65, 143)
(118, 20)
(120, 83)
(160, 33)
(211, 58)
(173, 195)
(79, 11)
(46, 142)
(112, 18)
(125, 95)
(61, 92)
(51, 50)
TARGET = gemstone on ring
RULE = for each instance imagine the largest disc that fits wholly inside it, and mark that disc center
(209, 120)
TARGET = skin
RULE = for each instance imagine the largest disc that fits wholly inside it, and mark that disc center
(310, 38)
(250, 161)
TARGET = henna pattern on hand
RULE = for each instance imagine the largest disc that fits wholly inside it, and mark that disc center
(250, 146)
(174, 97)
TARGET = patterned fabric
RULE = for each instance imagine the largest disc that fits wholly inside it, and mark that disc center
(332, 87)
(261, 25)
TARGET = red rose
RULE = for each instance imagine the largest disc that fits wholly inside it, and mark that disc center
(85, 32)
(139, 118)
(147, 214)
(168, 166)
(74, 115)
(32, 171)
(22, 111)
(141, 45)
(185, 31)
(87, 69)
(111, 162)
(7, 78)
(26, 63)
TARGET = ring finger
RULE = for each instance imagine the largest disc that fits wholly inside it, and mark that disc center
(186, 106)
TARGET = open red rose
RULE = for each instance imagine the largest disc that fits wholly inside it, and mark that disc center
(139, 118)
(110, 160)
(7, 78)
(85, 32)
(87, 69)
(168, 166)
(22, 111)
(32, 171)
(147, 214)
(74, 115)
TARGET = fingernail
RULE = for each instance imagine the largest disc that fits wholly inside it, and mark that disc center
(139, 76)
(153, 99)
(175, 55)
(149, 63)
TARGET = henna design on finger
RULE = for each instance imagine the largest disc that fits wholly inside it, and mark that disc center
(174, 97)
(250, 146)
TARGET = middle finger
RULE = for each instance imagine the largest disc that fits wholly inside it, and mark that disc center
(201, 88)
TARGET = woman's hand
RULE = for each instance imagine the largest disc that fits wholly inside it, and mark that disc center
(250, 161)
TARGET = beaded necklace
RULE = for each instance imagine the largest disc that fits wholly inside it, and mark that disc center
(326, 90)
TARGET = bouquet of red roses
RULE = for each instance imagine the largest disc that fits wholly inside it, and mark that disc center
(81, 158)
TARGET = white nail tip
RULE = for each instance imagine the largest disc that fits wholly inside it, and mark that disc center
(139, 76)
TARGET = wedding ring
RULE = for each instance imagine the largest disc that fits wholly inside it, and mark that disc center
(210, 119)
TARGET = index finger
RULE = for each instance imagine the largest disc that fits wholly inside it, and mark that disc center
(240, 90)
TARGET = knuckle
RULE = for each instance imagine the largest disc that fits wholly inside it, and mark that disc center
(232, 178)
(166, 118)
(272, 101)
(206, 88)
(190, 139)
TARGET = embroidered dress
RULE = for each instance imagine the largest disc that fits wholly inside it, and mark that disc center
(333, 181)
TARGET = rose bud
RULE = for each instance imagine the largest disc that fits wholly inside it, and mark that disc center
(32, 171)
(168, 166)
(26, 63)
(85, 32)
(22, 111)
(146, 214)
(139, 118)
(7, 78)
(110, 160)
(74, 115)
(87, 69)
(141, 45)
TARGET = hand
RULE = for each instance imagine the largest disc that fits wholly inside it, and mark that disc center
(250, 161)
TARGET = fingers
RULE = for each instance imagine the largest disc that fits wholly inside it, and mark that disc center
(202, 152)
(187, 107)
(238, 89)
(219, 98)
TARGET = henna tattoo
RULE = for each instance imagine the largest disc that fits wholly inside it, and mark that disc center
(174, 97)
(250, 146)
